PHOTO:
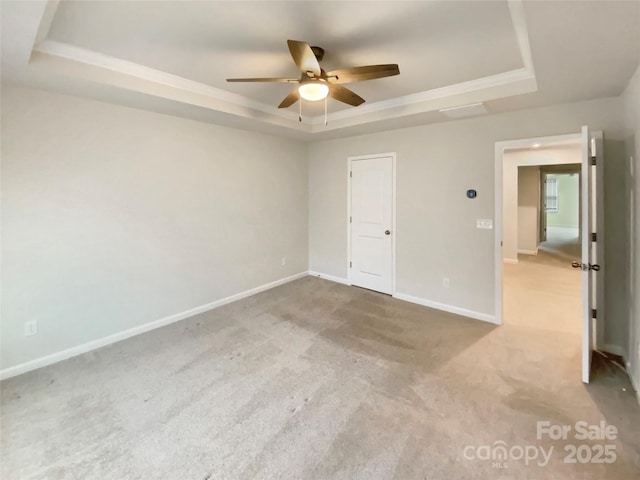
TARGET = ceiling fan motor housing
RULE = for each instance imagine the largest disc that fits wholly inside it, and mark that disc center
(318, 52)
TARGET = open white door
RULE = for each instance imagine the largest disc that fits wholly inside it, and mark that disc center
(589, 261)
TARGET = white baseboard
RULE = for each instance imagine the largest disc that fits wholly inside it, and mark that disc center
(615, 349)
(510, 260)
(341, 280)
(528, 252)
(485, 317)
(116, 337)
(420, 301)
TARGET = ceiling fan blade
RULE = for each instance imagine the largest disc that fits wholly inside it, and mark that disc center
(304, 57)
(288, 80)
(345, 95)
(290, 99)
(359, 74)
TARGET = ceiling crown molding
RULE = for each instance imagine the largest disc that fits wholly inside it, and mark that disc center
(95, 66)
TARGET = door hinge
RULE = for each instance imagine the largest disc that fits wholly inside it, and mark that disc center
(350, 174)
(593, 237)
(593, 160)
(350, 220)
(594, 313)
(350, 265)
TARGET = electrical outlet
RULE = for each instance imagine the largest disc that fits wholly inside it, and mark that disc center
(30, 328)
(284, 261)
(445, 282)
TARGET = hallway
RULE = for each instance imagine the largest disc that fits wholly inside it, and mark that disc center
(563, 241)
(543, 292)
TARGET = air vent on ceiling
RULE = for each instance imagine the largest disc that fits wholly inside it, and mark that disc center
(465, 110)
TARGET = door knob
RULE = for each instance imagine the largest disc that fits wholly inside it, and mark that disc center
(387, 232)
(594, 267)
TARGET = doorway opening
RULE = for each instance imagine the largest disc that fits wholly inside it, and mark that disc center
(560, 208)
(541, 290)
(547, 270)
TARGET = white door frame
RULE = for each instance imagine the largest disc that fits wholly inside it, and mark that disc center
(598, 138)
(500, 147)
(394, 232)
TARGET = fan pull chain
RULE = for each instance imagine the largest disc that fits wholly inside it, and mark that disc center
(300, 114)
(325, 110)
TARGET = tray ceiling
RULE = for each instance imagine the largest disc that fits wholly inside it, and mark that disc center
(174, 56)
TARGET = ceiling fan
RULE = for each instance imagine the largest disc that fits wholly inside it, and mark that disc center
(316, 84)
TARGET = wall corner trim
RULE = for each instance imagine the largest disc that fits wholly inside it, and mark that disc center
(636, 387)
(485, 317)
(634, 383)
(331, 278)
(123, 335)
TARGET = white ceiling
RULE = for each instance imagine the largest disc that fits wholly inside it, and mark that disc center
(173, 57)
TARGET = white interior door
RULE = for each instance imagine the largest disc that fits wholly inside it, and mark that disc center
(588, 253)
(371, 221)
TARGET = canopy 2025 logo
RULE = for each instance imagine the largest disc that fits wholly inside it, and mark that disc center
(499, 453)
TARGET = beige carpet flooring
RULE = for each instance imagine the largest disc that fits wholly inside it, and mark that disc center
(314, 380)
(544, 292)
(563, 242)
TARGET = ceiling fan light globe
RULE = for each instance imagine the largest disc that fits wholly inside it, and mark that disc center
(313, 91)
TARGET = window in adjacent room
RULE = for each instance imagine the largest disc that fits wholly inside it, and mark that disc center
(551, 195)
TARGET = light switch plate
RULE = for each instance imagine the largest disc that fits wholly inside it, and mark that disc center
(484, 223)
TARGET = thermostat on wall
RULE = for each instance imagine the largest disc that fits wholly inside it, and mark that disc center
(472, 193)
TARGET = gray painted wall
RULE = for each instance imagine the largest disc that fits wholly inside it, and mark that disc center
(436, 232)
(528, 208)
(114, 217)
(631, 110)
(617, 185)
